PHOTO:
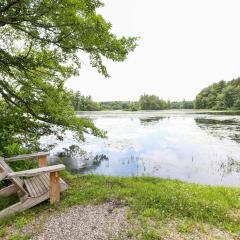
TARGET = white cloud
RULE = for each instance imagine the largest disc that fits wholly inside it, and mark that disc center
(185, 45)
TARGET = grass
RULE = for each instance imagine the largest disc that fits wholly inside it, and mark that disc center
(4, 202)
(152, 202)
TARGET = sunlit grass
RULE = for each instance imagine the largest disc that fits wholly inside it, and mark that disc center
(150, 200)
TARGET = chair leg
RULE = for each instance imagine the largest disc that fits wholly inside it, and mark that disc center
(11, 210)
(42, 161)
(22, 206)
(28, 202)
(54, 192)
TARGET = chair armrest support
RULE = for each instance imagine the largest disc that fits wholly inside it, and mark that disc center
(37, 171)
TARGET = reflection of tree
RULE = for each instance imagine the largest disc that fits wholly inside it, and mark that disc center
(99, 158)
(232, 113)
(92, 165)
(74, 155)
(216, 121)
(151, 120)
(227, 128)
(73, 151)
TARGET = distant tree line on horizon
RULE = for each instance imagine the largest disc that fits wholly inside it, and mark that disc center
(146, 102)
(218, 96)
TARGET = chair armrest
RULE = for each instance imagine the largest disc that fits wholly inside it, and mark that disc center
(37, 171)
(26, 156)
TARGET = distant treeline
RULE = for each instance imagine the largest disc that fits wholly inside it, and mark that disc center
(146, 102)
(220, 96)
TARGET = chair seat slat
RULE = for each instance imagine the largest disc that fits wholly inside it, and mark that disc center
(40, 184)
(44, 180)
(35, 186)
(29, 187)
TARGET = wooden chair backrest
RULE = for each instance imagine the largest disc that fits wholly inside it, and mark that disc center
(18, 182)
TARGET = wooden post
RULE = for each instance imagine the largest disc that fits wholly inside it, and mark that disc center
(54, 192)
(43, 161)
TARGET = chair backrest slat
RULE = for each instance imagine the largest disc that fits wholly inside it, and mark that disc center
(17, 181)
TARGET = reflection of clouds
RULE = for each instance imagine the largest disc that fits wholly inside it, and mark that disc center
(173, 147)
(167, 163)
(121, 144)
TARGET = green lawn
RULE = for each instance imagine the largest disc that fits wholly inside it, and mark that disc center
(153, 202)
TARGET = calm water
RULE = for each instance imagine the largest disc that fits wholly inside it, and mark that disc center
(187, 145)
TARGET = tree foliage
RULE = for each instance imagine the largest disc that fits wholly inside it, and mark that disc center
(146, 102)
(220, 96)
(182, 105)
(119, 105)
(41, 44)
(152, 102)
(84, 103)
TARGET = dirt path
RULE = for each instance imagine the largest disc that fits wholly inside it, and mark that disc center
(87, 223)
(109, 222)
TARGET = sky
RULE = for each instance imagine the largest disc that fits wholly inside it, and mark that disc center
(185, 46)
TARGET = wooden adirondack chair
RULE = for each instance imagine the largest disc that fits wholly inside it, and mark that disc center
(32, 186)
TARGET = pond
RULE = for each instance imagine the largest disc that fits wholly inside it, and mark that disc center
(193, 146)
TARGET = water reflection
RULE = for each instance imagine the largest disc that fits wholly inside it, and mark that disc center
(208, 121)
(230, 166)
(78, 160)
(151, 120)
(91, 165)
(179, 145)
(225, 128)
